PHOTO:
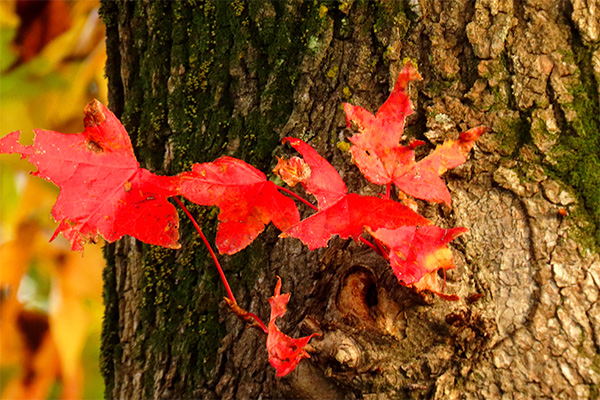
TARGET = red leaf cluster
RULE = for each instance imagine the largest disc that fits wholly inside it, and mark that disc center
(416, 248)
(104, 191)
(341, 213)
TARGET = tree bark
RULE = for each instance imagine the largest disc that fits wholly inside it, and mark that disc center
(196, 80)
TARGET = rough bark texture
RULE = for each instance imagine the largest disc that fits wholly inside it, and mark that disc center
(195, 80)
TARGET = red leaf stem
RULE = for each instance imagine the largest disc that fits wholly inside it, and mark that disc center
(297, 197)
(262, 324)
(371, 245)
(248, 317)
(210, 250)
(382, 249)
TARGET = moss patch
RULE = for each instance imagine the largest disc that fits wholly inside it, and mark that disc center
(579, 150)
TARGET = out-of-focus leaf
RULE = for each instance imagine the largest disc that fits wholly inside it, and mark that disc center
(39, 359)
(8, 199)
(47, 347)
(41, 22)
(15, 255)
(77, 287)
(8, 17)
(31, 96)
(70, 66)
(25, 199)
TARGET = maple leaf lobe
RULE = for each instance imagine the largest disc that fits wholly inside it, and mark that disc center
(431, 283)
(104, 131)
(94, 114)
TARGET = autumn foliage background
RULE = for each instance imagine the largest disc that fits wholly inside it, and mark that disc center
(52, 58)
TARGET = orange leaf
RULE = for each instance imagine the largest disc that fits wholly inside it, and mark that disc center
(41, 22)
(416, 253)
(377, 152)
(292, 171)
(39, 362)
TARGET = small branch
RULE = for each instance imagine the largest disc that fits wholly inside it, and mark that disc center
(388, 190)
(297, 197)
(210, 250)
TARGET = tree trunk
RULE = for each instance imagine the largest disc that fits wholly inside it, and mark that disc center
(196, 80)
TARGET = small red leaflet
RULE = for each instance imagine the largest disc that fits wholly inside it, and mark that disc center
(284, 352)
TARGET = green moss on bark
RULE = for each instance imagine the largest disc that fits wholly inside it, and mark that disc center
(579, 147)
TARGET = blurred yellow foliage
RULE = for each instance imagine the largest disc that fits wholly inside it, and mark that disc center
(50, 297)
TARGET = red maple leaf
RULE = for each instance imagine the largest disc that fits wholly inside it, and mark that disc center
(415, 251)
(248, 202)
(103, 190)
(340, 213)
(377, 152)
(284, 352)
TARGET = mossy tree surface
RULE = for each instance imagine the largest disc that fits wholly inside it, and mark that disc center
(193, 81)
